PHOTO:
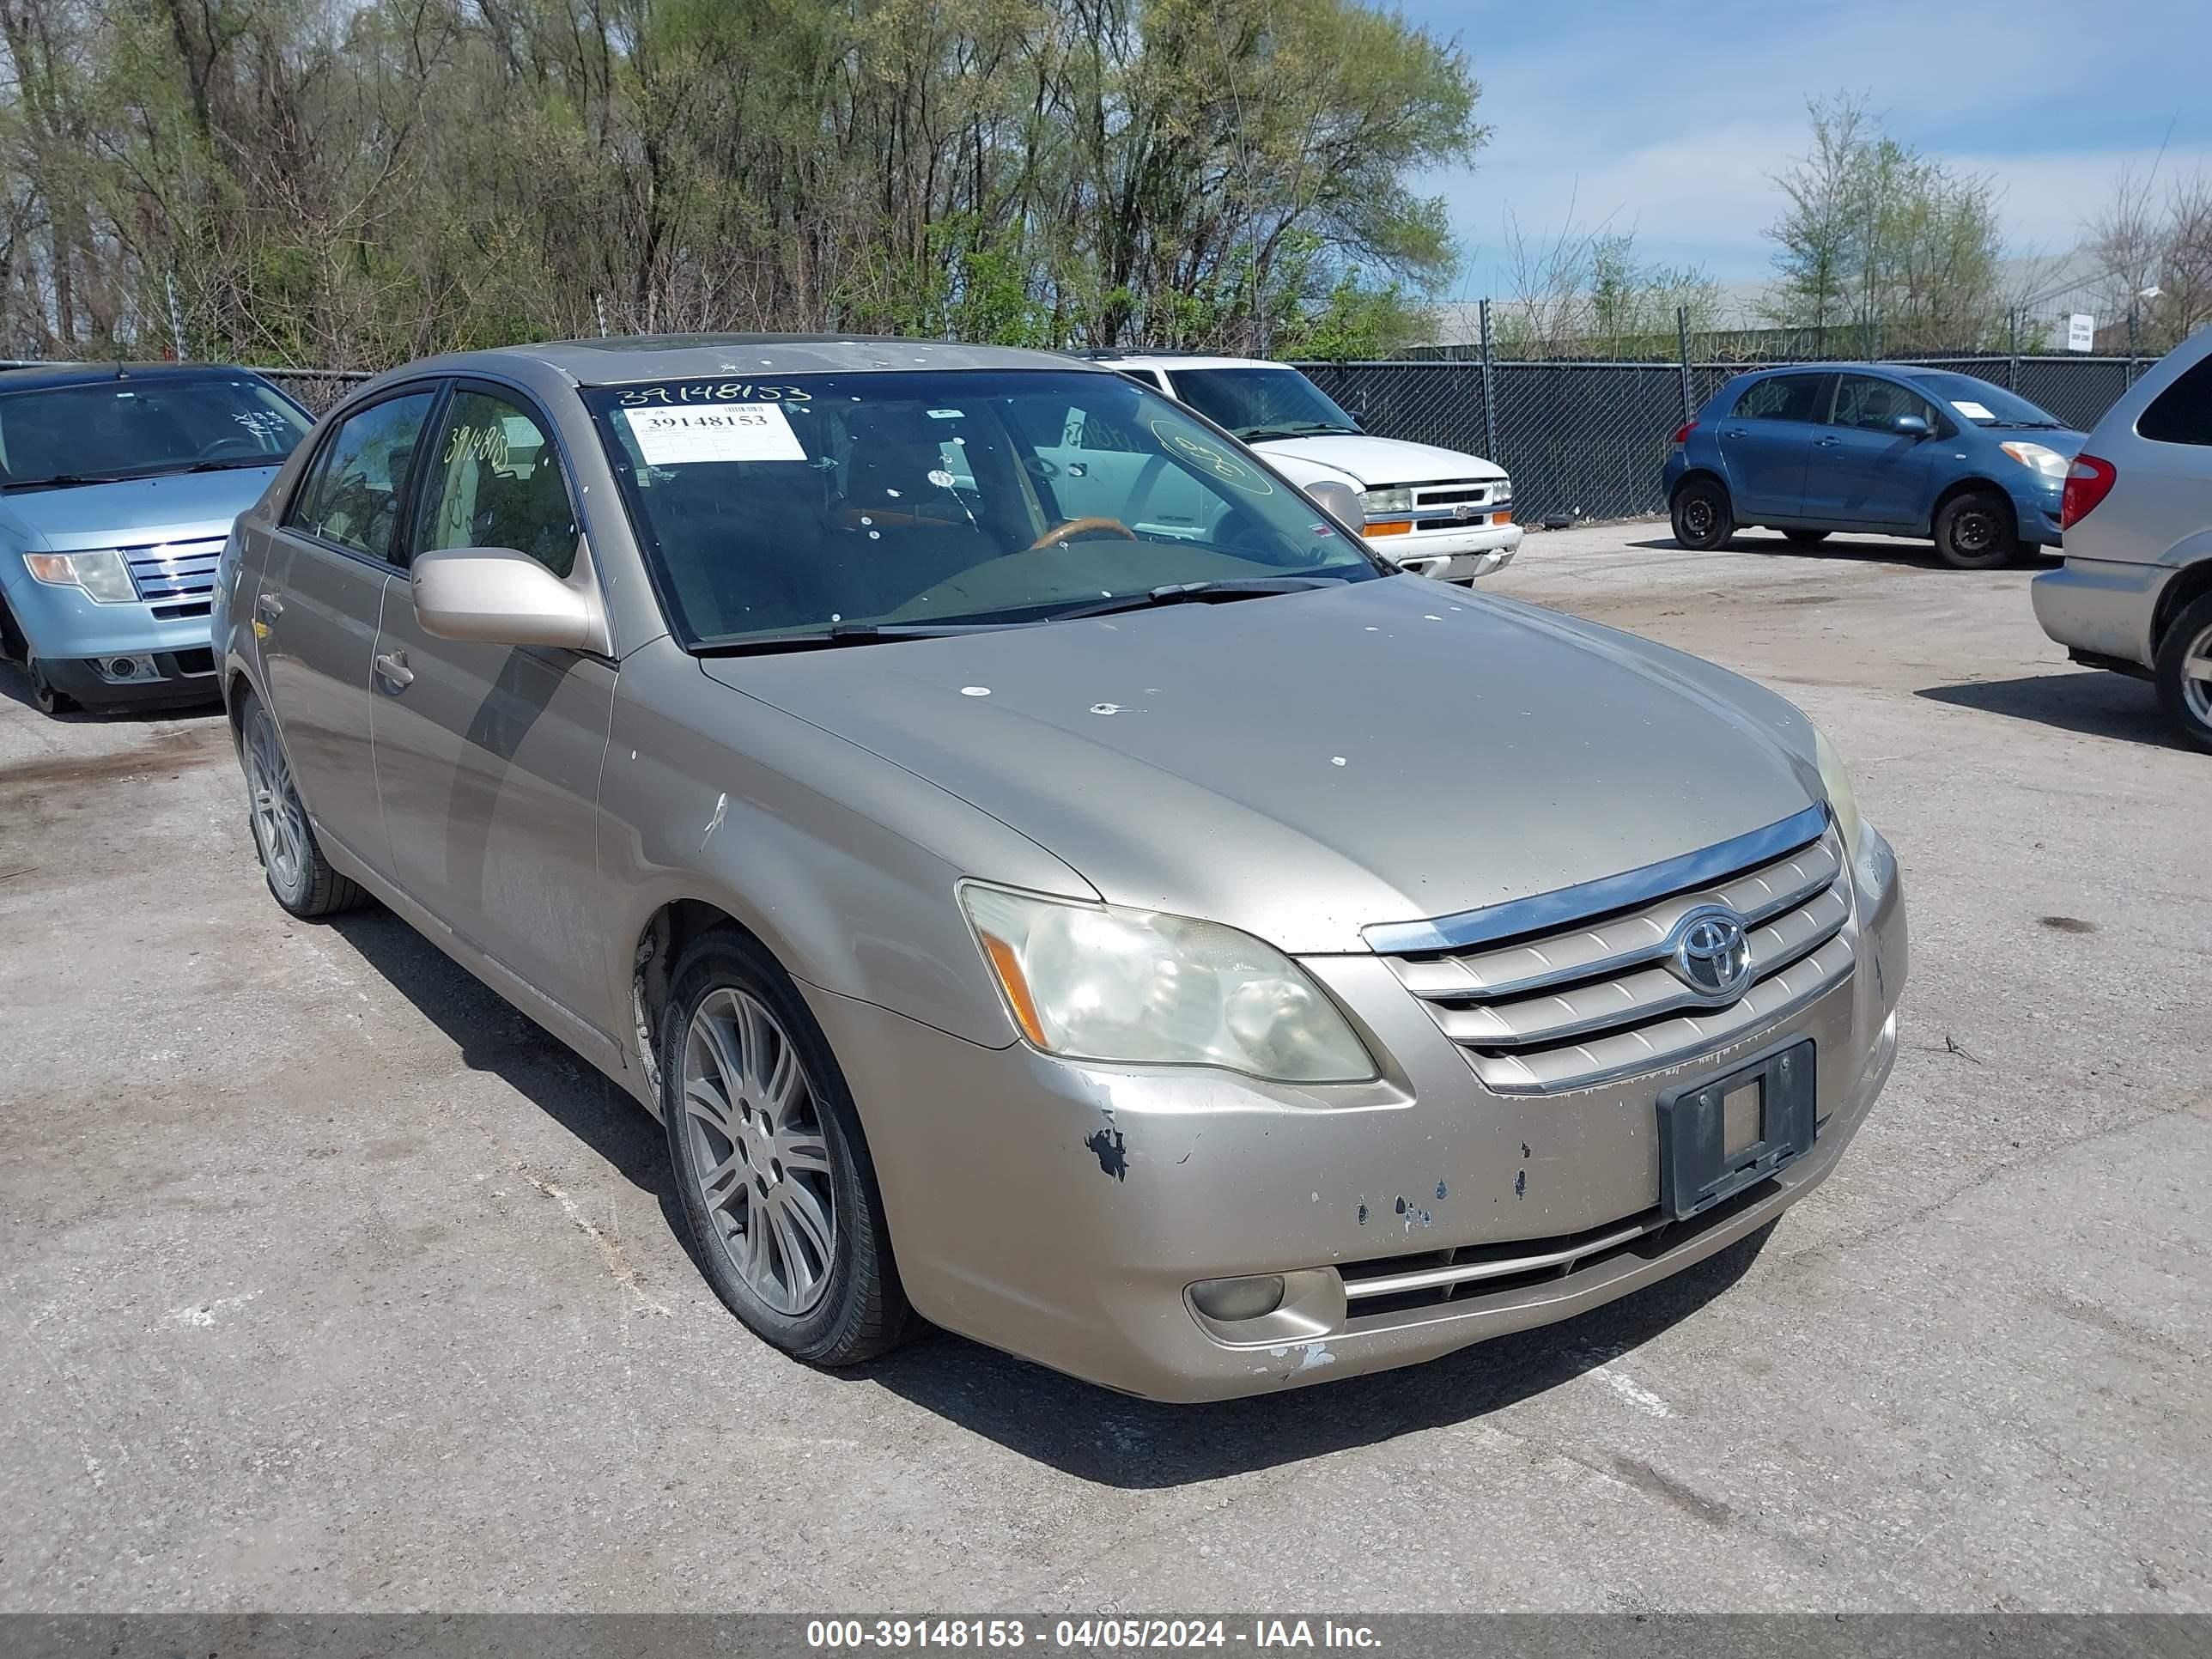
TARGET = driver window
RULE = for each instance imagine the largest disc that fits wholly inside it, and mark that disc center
(1871, 405)
(495, 481)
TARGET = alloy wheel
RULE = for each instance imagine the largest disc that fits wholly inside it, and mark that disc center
(280, 823)
(2197, 677)
(762, 1157)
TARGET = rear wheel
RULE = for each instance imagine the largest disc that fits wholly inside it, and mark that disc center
(1806, 538)
(1703, 518)
(300, 878)
(777, 1186)
(2184, 673)
(1975, 530)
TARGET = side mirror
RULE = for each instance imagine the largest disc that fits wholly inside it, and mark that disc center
(1909, 426)
(1340, 502)
(496, 596)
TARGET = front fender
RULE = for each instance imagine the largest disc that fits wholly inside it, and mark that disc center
(842, 864)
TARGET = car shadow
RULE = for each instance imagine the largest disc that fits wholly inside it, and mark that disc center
(1116, 1440)
(1079, 1428)
(493, 1036)
(1870, 551)
(2095, 702)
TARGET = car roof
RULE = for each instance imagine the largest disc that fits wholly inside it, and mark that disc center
(1910, 371)
(621, 360)
(47, 375)
(1175, 360)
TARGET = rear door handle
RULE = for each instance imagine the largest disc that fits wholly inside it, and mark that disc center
(1731, 432)
(1825, 443)
(269, 606)
(391, 668)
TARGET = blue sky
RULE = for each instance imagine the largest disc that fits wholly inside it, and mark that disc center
(1666, 117)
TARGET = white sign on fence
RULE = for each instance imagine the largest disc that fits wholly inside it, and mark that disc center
(2081, 332)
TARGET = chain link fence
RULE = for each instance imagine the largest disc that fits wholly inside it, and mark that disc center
(1586, 439)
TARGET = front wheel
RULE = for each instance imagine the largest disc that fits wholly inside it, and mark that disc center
(300, 878)
(50, 701)
(778, 1188)
(1976, 531)
(1704, 521)
(2184, 673)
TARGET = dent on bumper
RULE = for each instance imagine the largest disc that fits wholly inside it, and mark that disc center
(1451, 556)
(2102, 606)
(1062, 1212)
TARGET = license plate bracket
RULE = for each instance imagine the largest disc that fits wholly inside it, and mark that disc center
(1698, 1168)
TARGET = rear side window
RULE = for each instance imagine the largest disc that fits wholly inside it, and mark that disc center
(354, 488)
(2182, 414)
(1783, 397)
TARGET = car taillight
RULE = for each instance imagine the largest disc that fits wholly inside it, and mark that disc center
(2088, 481)
(1682, 431)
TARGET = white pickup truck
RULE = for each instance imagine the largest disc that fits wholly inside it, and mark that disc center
(1432, 511)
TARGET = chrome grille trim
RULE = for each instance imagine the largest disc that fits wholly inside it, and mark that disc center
(1543, 912)
(173, 570)
(1428, 1278)
(1596, 999)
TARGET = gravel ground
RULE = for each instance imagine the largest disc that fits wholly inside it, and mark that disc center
(328, 1281)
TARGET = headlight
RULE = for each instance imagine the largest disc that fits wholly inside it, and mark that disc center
(2039, 457)
(1382, 503)
(1503, 495)
(1094, 981)
(103, 575)
(1836, 779)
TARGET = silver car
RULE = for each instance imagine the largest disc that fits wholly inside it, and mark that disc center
(2135, 591)
(1047, 876)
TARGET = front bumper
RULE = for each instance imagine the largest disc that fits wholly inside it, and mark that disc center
(2100, 607)
(1062, 1212)
(1454, 555)
(80, 643)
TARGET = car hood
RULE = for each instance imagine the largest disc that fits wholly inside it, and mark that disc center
(134, 512)
(1302, 767)
(1377, 461)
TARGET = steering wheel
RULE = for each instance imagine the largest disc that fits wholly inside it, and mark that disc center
(229, 440)
(1074, 528)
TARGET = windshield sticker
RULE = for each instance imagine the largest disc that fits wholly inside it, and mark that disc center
(263, 423)
(734, 432)
(1212, 459)
(713, 392)
(945, 415)
(1973, 412)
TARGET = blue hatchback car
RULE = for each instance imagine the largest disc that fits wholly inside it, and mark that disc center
(1883, 448)
(118, 488)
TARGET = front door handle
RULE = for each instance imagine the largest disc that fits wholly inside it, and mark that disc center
(391, 668)
(270, 606)
(1731, 432)
(1825, 443)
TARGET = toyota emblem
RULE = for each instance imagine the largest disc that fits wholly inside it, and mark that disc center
(1712, 955)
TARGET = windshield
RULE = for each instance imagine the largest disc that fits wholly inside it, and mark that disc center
(833, 501)
(1985, 404)
(127, 428)
(1261, 403)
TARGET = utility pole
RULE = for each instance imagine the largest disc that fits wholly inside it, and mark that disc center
(176, 319)
(1682, 344)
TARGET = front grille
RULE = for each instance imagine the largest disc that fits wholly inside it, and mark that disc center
(173, 570)
(1582, 1000)
(1450, 495)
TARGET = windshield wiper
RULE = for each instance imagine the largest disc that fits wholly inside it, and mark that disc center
(59, 481)
(838, 635)
(223, 466)
(2029, 426)
(1299, 429)
(1216, 592)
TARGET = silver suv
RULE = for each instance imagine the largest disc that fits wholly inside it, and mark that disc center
(1175, 947)
(2135, 591)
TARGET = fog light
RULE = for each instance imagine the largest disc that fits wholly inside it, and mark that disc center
(1231, 1299)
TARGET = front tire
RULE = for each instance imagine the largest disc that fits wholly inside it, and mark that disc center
(1975, 530)
(300, 878)
(778, 1188)
(50, 702)
(2184, 673)
(1704, 521)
